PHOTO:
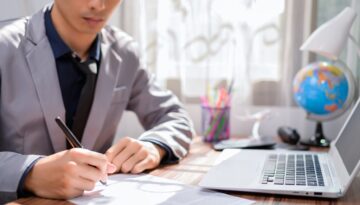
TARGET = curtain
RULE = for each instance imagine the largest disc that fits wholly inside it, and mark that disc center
(205, 44)
(297, 13)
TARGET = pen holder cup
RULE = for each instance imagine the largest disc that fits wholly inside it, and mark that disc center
(215, 123)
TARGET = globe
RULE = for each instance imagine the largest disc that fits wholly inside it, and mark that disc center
(325, 90)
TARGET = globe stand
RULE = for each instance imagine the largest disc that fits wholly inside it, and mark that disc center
(319, 139)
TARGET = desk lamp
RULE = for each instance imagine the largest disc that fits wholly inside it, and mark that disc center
(328, 41)
(330, 38)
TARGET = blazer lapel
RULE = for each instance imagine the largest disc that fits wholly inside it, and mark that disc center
(42, 67)
(43, 71)
(109, 70)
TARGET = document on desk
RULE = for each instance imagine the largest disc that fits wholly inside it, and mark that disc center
(147, 190)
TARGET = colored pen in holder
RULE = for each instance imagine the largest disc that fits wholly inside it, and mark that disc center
(215, 123)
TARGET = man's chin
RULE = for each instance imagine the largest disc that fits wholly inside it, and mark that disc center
(91, 31)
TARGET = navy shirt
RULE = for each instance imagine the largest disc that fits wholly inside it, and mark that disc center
(71, 79)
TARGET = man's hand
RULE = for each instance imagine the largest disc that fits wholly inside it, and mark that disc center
(68, 173)
(134, 156)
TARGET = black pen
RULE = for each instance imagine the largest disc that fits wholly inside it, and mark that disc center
(71, 138)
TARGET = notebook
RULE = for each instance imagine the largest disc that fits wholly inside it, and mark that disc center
(288, 172)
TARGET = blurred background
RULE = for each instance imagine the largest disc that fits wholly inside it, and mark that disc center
(193, 45)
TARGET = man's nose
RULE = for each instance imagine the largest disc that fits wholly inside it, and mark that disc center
(97, 5)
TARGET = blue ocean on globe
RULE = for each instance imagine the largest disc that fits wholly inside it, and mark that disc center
(321, 88)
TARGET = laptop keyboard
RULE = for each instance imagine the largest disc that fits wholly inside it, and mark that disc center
(293, 169)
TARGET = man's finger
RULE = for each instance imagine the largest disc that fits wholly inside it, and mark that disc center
(128, 165)
(84, 184)
(121, 158)
(125, 154)
(111, 168)
(141, 166)
(114, 150)
(89, 158)
(90, 173)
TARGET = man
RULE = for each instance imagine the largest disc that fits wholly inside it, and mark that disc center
(46, 62)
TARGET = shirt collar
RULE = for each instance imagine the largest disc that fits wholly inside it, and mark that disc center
(95, 49)
(59, 47)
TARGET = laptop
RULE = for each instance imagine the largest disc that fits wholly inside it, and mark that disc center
(301, 173)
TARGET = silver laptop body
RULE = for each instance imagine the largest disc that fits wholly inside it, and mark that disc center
(326, 174)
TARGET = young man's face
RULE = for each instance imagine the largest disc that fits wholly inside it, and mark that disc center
(86, 16)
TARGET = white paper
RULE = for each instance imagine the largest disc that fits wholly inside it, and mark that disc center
(147, 189)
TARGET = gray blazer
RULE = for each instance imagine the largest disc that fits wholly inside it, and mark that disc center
(30, 99)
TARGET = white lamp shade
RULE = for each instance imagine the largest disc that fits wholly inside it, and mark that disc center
(330, 38)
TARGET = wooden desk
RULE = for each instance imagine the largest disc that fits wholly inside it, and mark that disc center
(198, 162)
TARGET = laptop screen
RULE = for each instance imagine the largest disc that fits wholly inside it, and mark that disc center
(348, 144)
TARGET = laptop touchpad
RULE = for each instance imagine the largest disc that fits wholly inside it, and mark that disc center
(234, 168)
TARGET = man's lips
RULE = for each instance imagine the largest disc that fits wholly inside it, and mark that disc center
(93, 20)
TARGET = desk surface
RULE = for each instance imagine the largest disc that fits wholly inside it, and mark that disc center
(198, 162)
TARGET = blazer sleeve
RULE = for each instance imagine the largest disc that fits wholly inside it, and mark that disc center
(161, 114)
(12, 166)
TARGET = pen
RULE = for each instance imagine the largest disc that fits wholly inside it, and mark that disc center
(71, 138)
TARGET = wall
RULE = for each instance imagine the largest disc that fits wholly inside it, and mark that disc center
(10, 9)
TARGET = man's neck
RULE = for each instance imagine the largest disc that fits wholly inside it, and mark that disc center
(78, 42)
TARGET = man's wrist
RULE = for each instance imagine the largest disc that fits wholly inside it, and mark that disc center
(168, 157)
(22, 190)
(160, 150)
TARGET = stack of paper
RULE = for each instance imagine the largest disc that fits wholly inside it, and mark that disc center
(148, 189)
